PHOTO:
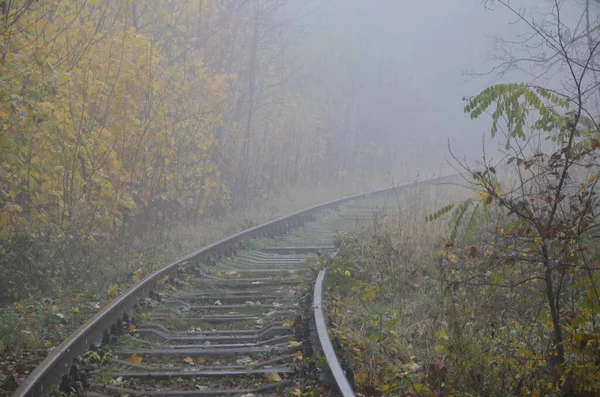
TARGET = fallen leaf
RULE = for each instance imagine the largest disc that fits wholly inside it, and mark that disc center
(135, 359)
(218, 303)
(189, 360)
(273, 377)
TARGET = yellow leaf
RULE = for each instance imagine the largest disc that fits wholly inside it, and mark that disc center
(538, 240)
(386, 388)
(347, 273)
(75, 310)
(481, 196)
(19, 305)
(135, 359)
(189, 360)
(273, 377)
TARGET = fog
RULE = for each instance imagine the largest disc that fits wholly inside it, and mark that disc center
(415, 61)
(136, 132)
(121, 121)
(410, 63)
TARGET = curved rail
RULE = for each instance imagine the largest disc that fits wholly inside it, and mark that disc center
(45, 378)
(332, 361)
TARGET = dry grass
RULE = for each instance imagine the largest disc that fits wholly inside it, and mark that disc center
(387, 313)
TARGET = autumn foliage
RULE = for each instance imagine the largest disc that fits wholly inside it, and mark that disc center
(120, 117)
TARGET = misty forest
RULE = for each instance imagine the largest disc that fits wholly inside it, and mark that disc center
(134, 132)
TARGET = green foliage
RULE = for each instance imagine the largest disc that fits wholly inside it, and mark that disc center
(470, 227)
(28, 325)
(457, 217)
(514, 103)
(439, 213)
(12, 338)
(20, 269)
(458, 212)
(96, 357)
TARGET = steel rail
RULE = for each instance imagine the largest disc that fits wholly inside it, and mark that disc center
(45, 377)
(332, 361)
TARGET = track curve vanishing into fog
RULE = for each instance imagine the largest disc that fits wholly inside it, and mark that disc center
(232, 318)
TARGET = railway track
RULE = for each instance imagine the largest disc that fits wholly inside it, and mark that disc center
(235, 318)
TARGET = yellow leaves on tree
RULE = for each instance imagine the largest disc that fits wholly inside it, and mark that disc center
(96, 124)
